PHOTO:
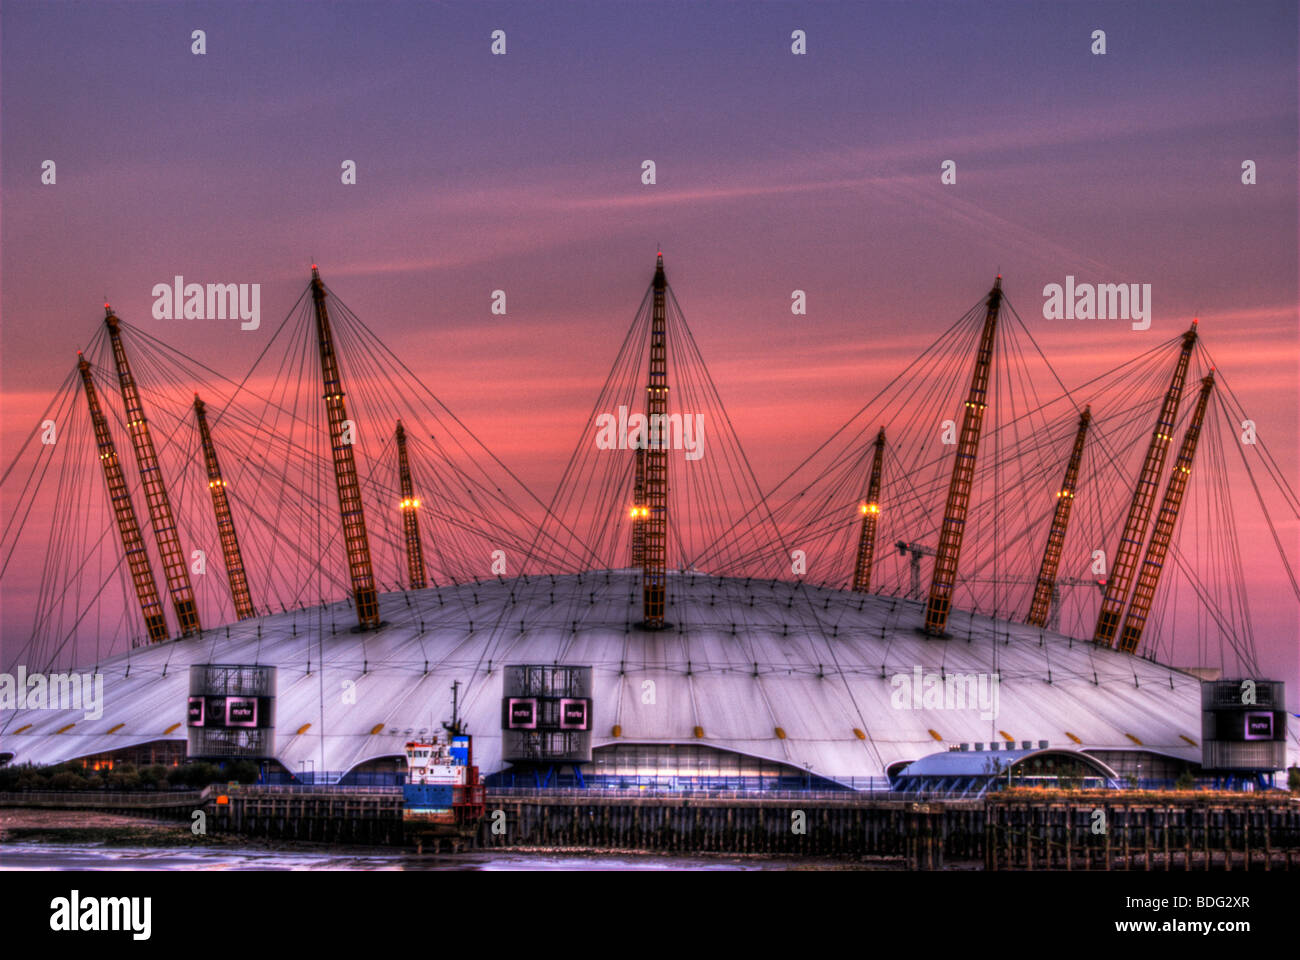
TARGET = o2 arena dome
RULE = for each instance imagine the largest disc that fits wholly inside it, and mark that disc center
(963, 569)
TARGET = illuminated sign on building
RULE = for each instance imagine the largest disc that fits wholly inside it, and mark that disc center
(241, 711)
(1259, 726)
(573, 713)
(218, 712)
(230, 711)
(521, 713)
(546, 713)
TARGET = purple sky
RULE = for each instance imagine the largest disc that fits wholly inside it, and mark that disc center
(775, 172)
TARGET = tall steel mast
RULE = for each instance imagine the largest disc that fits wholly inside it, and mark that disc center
(1045, 591)
(1144, 495)
(870, 514)
(175, 569)
(345, 468)
(639, 511)
(654, 575)
(410, 520)
(963, 473)
(230, 552)
(1149, 575)
(137, 558)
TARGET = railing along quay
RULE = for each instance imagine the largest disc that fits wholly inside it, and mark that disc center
(1195, 831)
(125, 801)
(1020, 830)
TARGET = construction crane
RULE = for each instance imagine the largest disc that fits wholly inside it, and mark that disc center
(654, 577)
(963, 474)
(1149, 576)
(917, 550)
(1044, 594)
(137, 559)
(345, 467)
(175, 569)
(870, 514)
(225, 521)
(410, 503)
(1144, 495)
(1054, 616)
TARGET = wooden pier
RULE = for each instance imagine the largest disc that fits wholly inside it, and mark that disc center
(916, 836)
(1103, 831)
(321, 814)
(325, 814)
(1017, 830)
(1194, 831)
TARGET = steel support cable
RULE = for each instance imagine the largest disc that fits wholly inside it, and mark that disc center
(711, 386)
(581, 464)
(577, 477)
(147, 345)
(942, 368)
(397, 360)
(696, 383)
(34, 481)
(902, 386)
(768, 497)
(1238, 409)
(55, 554)
(242, 462)
(917, 414)
(816, 619)
(63, 398)
(52, 582)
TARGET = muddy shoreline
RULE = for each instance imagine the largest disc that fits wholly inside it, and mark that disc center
(31, 825)
(35, 827)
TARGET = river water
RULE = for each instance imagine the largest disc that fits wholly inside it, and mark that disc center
(55, 856)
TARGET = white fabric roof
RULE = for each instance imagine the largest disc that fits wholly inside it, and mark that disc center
(817, 663)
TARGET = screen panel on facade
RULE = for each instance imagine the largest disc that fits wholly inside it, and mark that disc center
(521, 713)
(573, 714)
(241, 711)
(1259, 726)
